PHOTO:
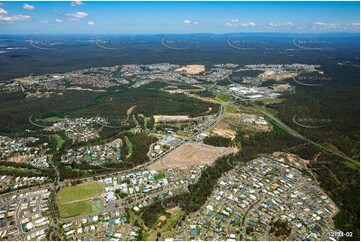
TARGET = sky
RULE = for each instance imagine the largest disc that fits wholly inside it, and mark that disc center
(76, 17)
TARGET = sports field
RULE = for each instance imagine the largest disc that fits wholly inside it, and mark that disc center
(79, 200)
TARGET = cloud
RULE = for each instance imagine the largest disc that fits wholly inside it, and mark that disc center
(281, 24)
(237, 23)
(76, 3)
(44, 21)
(195, 22)
(3, 11)
(59, 20)
(320, 24)
(328, 26)
(317, 26)
(28, 7)
(91, 23)
(77, 15)
(4, 17)
(14, 18)
(249, 24)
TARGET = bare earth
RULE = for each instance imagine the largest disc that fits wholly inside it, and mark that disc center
(174, 118)
(130, 110)
(224, 129)
(85, 89)
(192, 69)
(292, 158)
(18, 159)
(190, 154)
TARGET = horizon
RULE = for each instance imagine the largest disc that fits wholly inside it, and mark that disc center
(200, 33)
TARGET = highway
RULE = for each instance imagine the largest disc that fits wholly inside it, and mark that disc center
(298, 135)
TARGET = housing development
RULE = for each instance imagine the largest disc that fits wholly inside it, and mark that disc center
(179, 120)
(119, 180)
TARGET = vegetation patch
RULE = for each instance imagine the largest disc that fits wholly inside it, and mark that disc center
(223, 98)
(218, 141)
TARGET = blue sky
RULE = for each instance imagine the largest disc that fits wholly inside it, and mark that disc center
(177, 17)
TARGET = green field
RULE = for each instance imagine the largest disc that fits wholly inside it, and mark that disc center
(79, 192)
(223, 98)
(59, 141)
(51, 119)
(76, 200)
(130, 146)
(231, 108)
(96, 205)
(159, 176)
(75, 209)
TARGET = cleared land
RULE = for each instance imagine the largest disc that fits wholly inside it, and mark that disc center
(85, 89)
(174, 118)
(192, 69)
(225, 129)
(77, 200)
(18, 158)
(190, 154)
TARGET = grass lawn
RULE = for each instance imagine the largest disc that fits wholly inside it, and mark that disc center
(130, 146)
(223, 98)
(75, 209)
(79, 192)
(59, 141)
(51, 119)
(230, 108)
(96, 205)
(159, 176)
(76, 200)
(185, 133)
(146, 121)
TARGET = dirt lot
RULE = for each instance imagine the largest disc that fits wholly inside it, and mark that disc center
(18, 159)
(192, 69)
(85, 89)
(174, 118)
(249, 122)
(224, 129)
(291, 158)
(190, 154)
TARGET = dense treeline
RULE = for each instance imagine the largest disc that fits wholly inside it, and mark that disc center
(280, 228)
(151, 213)
(334, 107)
(141, 144)
(205, 93)
(15, 110)
(148, 102)
(200, 191)
(218, 141)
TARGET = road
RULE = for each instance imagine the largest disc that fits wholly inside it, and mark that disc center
(243, 227)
